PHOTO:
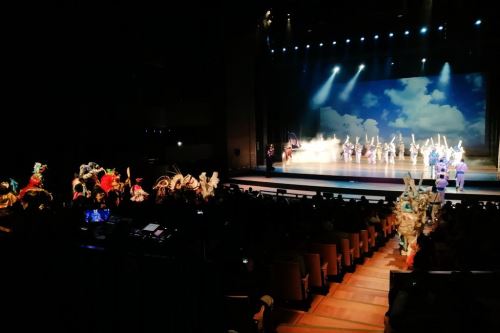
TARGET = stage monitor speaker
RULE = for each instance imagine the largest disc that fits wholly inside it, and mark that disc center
(281, 191)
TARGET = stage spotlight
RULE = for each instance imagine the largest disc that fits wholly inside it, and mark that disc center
(362, 39)
(323, 93)
(440, 28)
(320, 44)
(422, 68)
(392, 63)
(391, 34)
(478, 22)
(444, 77)
(179, 143)
(284, 49)
(344, 95)
(272, 51)
(308, 46)
(347, 41)
(296, 48)
(423, 30)
(375, 37)
(334, 42)
(407, 32)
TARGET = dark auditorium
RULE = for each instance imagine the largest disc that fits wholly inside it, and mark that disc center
(250, 167)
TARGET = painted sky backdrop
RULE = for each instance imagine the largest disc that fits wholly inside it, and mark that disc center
(424, 106)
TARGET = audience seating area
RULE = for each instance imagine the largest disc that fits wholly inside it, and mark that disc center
(249, 263)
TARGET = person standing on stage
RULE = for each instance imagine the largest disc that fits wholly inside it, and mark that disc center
(441, 184)
(414, 153)
(460, 168)
(269, 157)
(347, 150)
(401, 153)
(287, 154)
(425, 150)
(392, 152)
(435, 204)
(433, 159)
(372, 153)
(458, 152)
(379, 150)
(358, 148)
(386, 153)
(440, 167)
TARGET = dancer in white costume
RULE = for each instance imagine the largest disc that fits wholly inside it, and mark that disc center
(379, 150)
(401, 153)
(413, 150)
(413, 153)
(372, 153)
(441, 167)
(358, 148)
(392, 151)
(386, 152)
(347, 150)
(441, 184)
(425, 150)
(461, 168)
(458, 152)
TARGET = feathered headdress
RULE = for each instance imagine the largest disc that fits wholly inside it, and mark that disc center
(37, 177)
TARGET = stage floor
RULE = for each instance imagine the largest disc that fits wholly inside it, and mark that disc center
(353, 187)
(480, 169)
(380, 180)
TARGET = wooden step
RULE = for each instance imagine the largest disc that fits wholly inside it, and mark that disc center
(353, 311)
(358, 303)
(320, 321)
(284, 328)
(347, 277)
(374, 268)
(285, 315)
(368, 282)
(316, 300)
(385, 255)
(363, 295)
(377, 272)
(389, 249)
(386, 263)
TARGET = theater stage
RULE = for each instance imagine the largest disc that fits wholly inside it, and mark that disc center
(380, 180)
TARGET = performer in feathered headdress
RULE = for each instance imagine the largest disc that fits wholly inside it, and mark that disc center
(208, 185)
(7, 196)
(108, 179)
(138, 194)
(36, 180)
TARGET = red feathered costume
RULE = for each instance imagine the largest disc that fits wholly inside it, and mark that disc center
(35, 182)
(107, 181)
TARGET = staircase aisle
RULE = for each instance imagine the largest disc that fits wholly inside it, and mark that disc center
(357, 304)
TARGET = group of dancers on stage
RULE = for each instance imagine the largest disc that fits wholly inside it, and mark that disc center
(437, 157)
(430, 151)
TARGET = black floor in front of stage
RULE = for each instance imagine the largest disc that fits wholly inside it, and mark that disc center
(482, 179)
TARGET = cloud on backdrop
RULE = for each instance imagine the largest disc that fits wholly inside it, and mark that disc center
(410, 105)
